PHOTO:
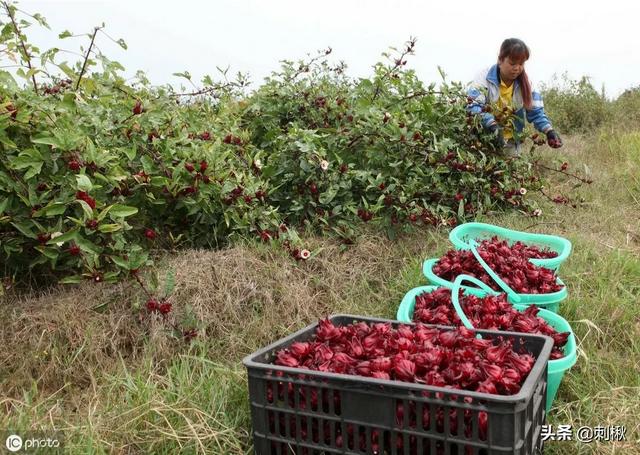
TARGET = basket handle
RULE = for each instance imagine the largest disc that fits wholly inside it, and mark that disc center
(455, 292)
(513, 295)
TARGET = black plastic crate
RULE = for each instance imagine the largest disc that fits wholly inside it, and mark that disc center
(305, 412)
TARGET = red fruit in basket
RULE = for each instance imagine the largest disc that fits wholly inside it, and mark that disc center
(404, 344)
(496, 354)
(380, 375)
(287, 360)
(363, 368)
(487, 386)
(448, 338)
(493, 372)
(300, 349)
(405, 370)
(405, 332)
(356, 347)
(382, 364)
(326, 330)
(560, 339)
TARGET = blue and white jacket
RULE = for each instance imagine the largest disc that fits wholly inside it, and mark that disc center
(485, 88)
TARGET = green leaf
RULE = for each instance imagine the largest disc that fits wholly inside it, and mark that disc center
(35, 170)
(137, 259)
(186, 75)
(87, 246)
(131, 153)
(88, 211)
(25, 228)
(46, 139)
(120, 262)
(461, 208)
(74, 279)
(50, 253)
(122, 211)
(122, 44)
(111, 277)
(170, 282)
(70, 235)
(109, 227)
(83, 182)
(3, 204)
(328, 195)
(65, 34)
(53, 209)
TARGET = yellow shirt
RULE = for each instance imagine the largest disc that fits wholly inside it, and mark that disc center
(506, 95)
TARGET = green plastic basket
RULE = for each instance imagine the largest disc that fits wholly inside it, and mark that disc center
(550, 301)
(461, 235)
(556, 368)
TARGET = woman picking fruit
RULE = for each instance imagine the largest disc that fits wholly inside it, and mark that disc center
(506, 86)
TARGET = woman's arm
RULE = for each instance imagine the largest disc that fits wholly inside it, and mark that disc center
(477, 93)
(536, 114)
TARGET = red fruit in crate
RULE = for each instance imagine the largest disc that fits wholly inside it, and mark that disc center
(405, 370)
(286, 359)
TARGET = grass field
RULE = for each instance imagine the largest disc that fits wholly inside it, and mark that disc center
(79, 361)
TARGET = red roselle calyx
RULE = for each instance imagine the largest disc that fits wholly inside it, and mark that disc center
(509, 262)
(428, 355)
(491, 313)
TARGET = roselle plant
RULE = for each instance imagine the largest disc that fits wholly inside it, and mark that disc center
(489, 313)
(97, 172)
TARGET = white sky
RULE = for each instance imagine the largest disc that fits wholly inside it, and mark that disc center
(596, 39)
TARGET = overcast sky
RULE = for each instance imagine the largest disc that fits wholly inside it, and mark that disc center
(596, 39)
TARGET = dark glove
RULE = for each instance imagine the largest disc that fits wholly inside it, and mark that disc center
(553, 139)
(498, 136)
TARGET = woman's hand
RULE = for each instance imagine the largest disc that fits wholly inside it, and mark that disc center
(553, 139)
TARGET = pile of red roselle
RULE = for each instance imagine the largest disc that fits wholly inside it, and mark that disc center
(508, 262)
(444, 358)
(518, 247)
(453, 359)
(488, 313)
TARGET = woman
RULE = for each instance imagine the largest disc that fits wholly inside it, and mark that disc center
(506, 86)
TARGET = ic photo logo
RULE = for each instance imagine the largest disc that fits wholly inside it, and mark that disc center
(13, 443)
